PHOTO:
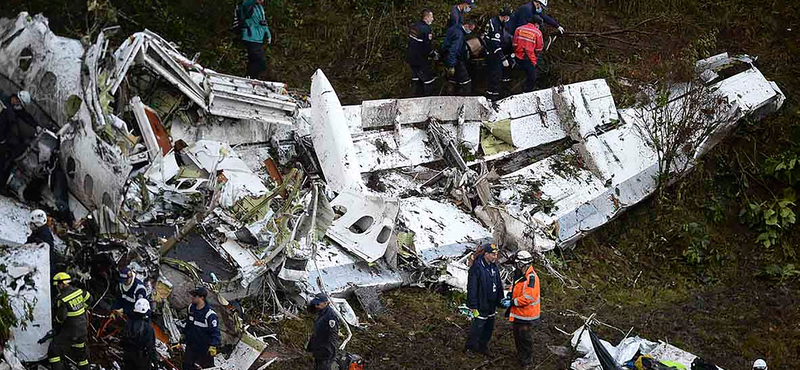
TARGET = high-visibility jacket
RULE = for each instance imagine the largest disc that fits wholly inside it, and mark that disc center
(70, 310)
(526, 305)
(527, 42)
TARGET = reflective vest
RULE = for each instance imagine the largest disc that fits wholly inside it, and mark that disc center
(525, 294)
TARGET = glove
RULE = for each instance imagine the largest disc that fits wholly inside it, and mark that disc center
(212, 351)
(117, 313)
(506, 63)
(474, 313)
(451, 71)
(561, 29)
(505, 303)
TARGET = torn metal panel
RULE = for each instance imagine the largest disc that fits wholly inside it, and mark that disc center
(441, 230)
(370, 300)
(14, 219)
(248, 268)
(46, 65)
(341, 272)
(155, 136)
(365, 226)
(242, 182)
(242, 98)
(26, 279)
(332, 141)
(247, 351)
(389, 112)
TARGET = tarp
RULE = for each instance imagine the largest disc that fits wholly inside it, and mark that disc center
(605, 358)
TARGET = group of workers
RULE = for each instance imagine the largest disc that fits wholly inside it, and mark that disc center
(509, 40)
(485, 294)
(201, 333)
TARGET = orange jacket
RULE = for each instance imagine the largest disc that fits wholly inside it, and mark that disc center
(525, 305)
(527, 42)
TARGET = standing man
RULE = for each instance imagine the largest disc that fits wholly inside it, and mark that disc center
(71, 324)
(498, 43)
(40, 233)
(19, 127)
(525, 305)
(139, 339)
(457, 56)
(530, 9)
(201, 333)
(457, 12)
(419, 51)
(484, 295)
(528, 43)
(253, 35)
(325, 337)
(131, 290)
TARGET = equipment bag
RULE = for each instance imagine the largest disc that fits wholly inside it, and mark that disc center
(240, 14)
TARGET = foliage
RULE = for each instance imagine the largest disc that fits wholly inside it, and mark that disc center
(7, 317)
(784, 166)
(675, 125)
(771, 220)
(781, 273)
(700, 249)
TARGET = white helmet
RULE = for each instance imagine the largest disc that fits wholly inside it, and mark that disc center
(142, 306)
(38, 218)
(760, 365)
(524, 257)
(543, 2)
(24, 97)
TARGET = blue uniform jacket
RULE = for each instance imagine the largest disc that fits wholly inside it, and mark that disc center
(456, 18)
(498, 39)
(128, 297)
(419, 44)
(325, 338)
(202, 329)
(524, 15)
(455, 45)
(484, 287)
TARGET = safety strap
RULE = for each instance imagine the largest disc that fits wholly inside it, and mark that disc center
(53, 360)
(79, 345)
(83, 363)
(79, 312)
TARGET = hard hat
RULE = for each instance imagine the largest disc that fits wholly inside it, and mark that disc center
(543, 2)
(38, 218)
(141, 306)
(760, 365)
(61, 277)
(24, 97)
(524, 257)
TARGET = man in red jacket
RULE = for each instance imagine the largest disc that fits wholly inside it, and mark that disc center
(528, 42)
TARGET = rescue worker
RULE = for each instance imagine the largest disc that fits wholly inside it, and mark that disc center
(528, 43)
(139, 339)
(498, 63)
(131, 289)
(419, 51)
(530, 9)
(201, 333)
(71, 324)
(40, 233)
(256, 29)
(457, 55)
(760, 365)
(484, 295)
(325, 338)
(525, 305)
(457, 12)
(17, 128)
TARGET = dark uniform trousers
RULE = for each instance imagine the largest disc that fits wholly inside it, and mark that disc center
(498, 77)
(481, 333)
(530, 73)
(523, 340)
(461, 79)
(256, 59)
(422, 77)
(193, 359)
(65, 344)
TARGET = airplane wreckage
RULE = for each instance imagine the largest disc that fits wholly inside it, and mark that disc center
(192, 177)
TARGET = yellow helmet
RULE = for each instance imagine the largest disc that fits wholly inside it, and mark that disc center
(61, 277)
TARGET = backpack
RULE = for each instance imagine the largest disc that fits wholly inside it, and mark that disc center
(240, 14)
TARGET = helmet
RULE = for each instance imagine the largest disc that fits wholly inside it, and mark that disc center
(38, 218)
(141, 306)
(760, 365)
(24, 97)
(61, 277)
(524, 257)
(543, 2)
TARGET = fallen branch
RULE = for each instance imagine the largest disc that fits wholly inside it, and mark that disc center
(612, 32)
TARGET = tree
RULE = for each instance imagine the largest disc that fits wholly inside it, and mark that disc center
(680, 122)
